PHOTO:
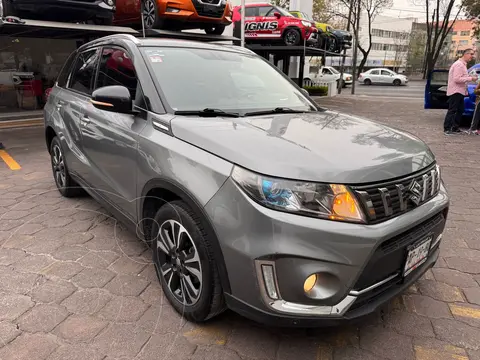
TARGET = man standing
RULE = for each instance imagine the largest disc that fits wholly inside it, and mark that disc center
(458, 79)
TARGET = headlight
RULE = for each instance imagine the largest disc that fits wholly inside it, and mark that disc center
(326, 201)
(306, 24)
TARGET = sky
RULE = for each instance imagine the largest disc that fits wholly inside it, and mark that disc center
(407, 8)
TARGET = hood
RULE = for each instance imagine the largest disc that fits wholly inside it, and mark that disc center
(321, 146)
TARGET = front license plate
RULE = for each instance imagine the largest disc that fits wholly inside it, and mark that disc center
(417, 255)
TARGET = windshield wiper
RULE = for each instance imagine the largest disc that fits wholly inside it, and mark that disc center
(208, 112)
(278, 110)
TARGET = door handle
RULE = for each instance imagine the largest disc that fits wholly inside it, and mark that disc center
(85, 120)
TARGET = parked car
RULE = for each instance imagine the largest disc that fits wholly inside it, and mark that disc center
(97, 11)
(292, 230)
(436, 92)
(269, 23)
(324, 38)
(339, 39)
(329, 73)
(212, 15)
(382, 76)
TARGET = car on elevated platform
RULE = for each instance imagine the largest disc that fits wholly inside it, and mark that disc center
(267, 23)
(99, 12)
(336, 40)
(210, 15)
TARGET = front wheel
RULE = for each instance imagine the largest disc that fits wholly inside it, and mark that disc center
(215, 30)
(65, 184)
(332, 46)
(292, 37)
(397, 82)
(151, 16)
(185, 263)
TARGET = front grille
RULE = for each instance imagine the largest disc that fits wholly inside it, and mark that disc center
(388, 259)
(209, 8)
(390, 199)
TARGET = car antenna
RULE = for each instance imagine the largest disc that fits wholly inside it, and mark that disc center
(143, 23)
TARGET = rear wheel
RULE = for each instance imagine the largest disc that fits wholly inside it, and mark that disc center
(65, 184)
(185, 263)
(215, 30)
(292, 37)
(151, 16)
(367, 82)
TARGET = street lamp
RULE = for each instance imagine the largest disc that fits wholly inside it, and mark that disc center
(242, 23)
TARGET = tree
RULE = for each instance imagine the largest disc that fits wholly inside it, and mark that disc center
(472, 9)
(282, 3)
(370, 8)
(438, 14)
(401, 48)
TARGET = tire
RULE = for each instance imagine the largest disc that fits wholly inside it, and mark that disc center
(215, 30)
(367, 82)
(65, 184)
(397, 82)
(151, 17)
(209, 302)
(332, 45)
(292, 37)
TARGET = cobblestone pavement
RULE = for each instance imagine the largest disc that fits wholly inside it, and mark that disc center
(75, 285)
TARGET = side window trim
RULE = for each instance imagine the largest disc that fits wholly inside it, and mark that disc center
(139, 85)
(74, 67)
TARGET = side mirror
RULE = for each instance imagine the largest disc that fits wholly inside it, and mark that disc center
(113, 98)
(277, 14)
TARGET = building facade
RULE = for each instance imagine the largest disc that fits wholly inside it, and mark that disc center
(462, 37)
(390, 40)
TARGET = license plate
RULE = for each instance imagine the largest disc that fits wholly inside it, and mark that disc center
(417, 255)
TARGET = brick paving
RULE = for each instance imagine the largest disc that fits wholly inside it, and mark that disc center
(74, 285)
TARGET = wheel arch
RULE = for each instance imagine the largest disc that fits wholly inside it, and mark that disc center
(169, 191)
(49, 135)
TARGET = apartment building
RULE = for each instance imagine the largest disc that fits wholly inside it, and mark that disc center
(462, 37)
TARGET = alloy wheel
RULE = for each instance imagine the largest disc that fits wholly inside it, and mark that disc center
(58, 166)
(180, 264)
(291, 38)
(149, 13)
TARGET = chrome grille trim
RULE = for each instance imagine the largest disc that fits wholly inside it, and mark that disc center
(383, 201)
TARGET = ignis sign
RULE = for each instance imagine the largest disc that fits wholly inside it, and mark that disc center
(259, 26)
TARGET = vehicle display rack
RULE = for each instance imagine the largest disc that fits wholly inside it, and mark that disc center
(16, 27)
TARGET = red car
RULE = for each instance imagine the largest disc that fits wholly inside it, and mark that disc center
(269, 23)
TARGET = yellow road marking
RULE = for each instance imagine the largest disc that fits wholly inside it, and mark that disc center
(12, 164)
(465, 311)
(422, 353)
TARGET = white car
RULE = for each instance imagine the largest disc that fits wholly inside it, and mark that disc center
(382, 76)
(328, 73)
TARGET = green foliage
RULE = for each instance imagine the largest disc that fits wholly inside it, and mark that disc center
(317, 90)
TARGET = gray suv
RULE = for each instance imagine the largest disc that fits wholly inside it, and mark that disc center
(251, 196)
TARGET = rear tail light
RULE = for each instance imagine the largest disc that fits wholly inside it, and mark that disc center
(47, 93)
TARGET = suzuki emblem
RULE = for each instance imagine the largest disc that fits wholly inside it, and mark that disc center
(415, 192)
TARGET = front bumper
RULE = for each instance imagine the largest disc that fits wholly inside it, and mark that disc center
(251, 235)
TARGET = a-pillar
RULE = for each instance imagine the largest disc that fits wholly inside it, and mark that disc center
(305, 6)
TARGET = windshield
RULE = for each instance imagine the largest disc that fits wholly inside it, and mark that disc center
(283, 11)
(335, 71)
(195, 79)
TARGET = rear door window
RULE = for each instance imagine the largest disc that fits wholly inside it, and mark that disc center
(83, 75)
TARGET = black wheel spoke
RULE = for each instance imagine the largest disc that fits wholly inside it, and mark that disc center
(179, 262)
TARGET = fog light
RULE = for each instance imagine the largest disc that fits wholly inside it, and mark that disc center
(321, 286)
(269, 279)
(110, 2)
(172, 10)
(309, 283)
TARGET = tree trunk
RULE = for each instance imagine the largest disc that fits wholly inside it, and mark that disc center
(363, 62)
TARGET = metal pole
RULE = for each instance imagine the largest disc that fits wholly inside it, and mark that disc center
(342, 67)
(355, 50)
(242, 22)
